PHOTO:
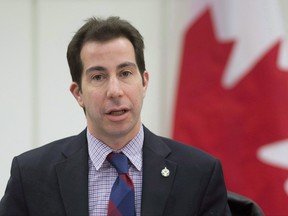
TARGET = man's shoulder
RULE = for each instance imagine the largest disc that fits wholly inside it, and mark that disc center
(53, 150)
(186, 150)
(177, 149)
(53, 146)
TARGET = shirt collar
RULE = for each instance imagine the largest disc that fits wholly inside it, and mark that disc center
(98, 151)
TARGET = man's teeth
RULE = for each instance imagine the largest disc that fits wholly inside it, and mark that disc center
(117, 112)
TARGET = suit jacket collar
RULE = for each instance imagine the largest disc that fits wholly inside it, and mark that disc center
(156, 187)
(72, 175)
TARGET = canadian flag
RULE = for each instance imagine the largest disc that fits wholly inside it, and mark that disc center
(232, 98)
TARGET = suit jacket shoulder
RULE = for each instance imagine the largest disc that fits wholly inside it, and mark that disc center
(53, 177)
(194, 184)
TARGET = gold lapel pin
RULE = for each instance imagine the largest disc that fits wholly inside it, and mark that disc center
(165, 172)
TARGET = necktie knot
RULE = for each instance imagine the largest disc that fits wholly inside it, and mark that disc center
(119, 161)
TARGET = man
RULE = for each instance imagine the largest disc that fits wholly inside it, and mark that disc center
(72, 176)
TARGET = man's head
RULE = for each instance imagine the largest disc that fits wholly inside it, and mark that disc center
(109, 78)
(101, 30)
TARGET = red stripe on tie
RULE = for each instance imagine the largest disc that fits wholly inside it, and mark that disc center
(128, 180)
(113, 210)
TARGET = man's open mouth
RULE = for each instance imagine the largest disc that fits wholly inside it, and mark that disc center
(118, 112)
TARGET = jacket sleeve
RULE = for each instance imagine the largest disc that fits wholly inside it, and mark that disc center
(215, 200)
(13, 201)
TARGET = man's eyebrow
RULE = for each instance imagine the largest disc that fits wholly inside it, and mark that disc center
(95, 68)
(120, 66)
(126, 64)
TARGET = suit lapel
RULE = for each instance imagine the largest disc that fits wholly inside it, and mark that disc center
(73, 177)
(156, 187)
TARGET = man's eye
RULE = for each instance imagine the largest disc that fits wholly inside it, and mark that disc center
(126, 73)
(98, 77)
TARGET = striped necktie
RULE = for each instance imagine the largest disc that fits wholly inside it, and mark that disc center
(122, 197)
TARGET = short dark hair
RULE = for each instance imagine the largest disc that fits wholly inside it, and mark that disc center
(98, 29)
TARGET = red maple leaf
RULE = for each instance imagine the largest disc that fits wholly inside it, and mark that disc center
(232, 124)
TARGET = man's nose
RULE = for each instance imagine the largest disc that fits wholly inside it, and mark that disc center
(114, 88)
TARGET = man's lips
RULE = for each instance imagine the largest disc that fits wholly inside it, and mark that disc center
(117, 112)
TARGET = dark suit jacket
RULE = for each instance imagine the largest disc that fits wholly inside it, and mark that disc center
(53, 180)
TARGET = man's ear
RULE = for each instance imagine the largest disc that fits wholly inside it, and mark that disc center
(76, 92)
(145, 81)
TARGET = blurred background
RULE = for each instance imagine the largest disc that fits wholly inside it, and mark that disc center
(37, 106)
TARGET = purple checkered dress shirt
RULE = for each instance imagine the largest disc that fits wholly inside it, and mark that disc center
(102, 175)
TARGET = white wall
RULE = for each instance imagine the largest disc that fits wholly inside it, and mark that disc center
(16, 83)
